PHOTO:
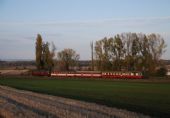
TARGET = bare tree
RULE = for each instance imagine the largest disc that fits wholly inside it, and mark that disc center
(99, 54)
(92, 59)
(133, 51)
(67, 58)
(103, 54)
(156, 49)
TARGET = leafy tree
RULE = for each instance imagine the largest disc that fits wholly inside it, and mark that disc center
(161, 72)
(118, 51)
(67, 58)
(44, 57)
(48, 57)
(39, 43)
(99, 54)
(135, 51)
(103, 54)
(156, 49)
(132, 51)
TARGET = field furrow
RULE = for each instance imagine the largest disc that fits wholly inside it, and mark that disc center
(19, 103)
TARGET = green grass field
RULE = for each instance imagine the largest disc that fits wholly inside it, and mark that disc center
(150, 98)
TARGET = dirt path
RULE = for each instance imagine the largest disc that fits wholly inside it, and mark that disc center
(24, 104)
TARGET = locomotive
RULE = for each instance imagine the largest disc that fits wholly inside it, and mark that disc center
(89, 74)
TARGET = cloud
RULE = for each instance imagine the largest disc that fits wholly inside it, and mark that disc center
(125, 21)
(102, 22)
(29, 38)
(75, 34)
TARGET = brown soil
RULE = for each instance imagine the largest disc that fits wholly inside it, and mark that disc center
(13, 72)
(25, 104)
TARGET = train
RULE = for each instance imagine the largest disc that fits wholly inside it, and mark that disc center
(91, 74)
(41, 73)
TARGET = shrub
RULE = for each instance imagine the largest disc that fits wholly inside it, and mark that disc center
(161, 72)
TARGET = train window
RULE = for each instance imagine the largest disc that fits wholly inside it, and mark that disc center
(137, 74)
(132, 73)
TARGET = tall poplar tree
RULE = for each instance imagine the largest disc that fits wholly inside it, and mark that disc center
(92, 60)
(38, 54)
(44, 56)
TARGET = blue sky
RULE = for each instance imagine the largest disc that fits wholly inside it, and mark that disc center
(75, 23)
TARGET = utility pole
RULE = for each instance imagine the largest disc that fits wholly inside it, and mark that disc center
(92, 61)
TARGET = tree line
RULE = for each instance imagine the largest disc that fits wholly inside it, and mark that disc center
(130, 52)
(125, 51)
(46, 58)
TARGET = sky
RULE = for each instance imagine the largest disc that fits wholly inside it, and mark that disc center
(76, 23)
